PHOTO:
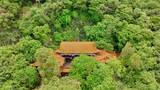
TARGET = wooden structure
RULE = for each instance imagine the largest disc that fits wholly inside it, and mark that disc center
(69, 50)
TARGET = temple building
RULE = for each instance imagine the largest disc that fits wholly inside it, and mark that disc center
(69, 50)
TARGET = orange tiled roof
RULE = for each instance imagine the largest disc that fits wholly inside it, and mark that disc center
(77, 47)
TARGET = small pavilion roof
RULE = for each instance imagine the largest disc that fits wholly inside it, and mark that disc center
(77, 48)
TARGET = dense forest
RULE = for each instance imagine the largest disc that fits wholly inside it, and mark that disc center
(30, 31)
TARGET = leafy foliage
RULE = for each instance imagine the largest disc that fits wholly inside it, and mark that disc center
(27, 77)
(30, 28)
(65, 83)
(48, 66)
(28, 47)
(15, 70)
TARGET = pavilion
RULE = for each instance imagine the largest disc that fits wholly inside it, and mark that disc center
(69, 50)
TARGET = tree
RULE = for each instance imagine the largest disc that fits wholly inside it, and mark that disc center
(27, 77)
(82, 67)
(126, 53)
(48, 67)
(15, 72)
(101, 78)
(135, 62)
(34, 21)
(8, 17)
(65, 83)
(103, 33)
(6, 61)
(28, 47)
(41, 33)
(96, 76)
